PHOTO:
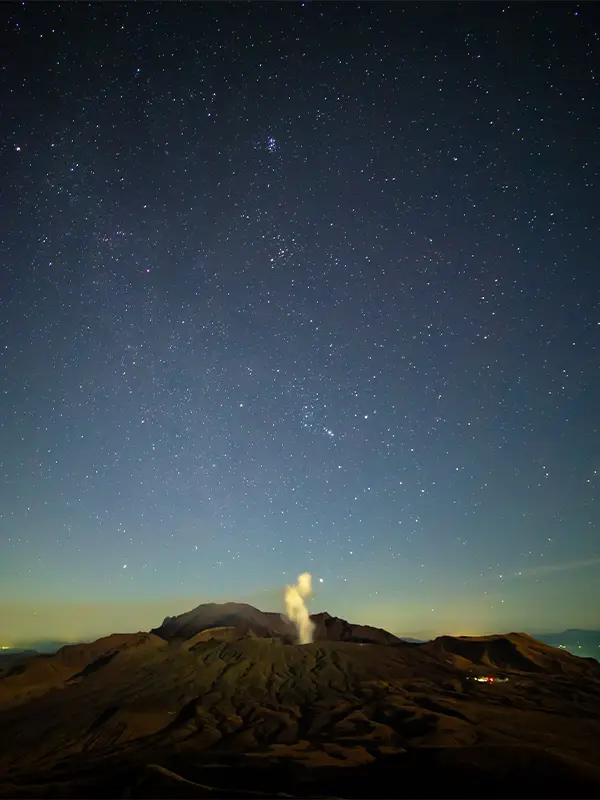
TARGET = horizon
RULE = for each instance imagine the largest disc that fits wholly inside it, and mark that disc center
(111, 618)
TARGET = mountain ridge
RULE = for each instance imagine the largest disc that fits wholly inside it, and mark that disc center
(571, 637)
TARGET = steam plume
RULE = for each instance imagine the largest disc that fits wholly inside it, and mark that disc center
(296, 608)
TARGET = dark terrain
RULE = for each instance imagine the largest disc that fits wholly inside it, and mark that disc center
(219, 702)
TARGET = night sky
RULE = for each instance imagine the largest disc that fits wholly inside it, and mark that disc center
(299, 287)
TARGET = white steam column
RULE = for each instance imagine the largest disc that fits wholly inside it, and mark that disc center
(296, 608)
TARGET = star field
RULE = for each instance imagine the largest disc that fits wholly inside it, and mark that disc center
(300, 287)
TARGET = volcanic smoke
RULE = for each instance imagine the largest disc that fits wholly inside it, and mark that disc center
(296, 608)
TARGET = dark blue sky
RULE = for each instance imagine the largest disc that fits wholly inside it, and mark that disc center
(300, 287)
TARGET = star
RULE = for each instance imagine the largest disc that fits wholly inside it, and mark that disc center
(283, 312)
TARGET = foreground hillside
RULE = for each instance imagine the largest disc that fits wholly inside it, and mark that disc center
(149, 715)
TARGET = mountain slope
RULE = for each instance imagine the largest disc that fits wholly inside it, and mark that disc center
(38, 674)
(10, 657)
(144, 716)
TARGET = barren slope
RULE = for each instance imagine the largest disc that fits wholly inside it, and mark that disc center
(139, 716)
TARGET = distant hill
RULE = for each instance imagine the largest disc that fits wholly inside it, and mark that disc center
(42, 645)
(574, 640)
(12, 655)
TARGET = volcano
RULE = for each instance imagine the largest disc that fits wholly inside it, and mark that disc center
(357, 713)
(242, 619)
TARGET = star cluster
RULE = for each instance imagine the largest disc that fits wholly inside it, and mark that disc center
(302, 287)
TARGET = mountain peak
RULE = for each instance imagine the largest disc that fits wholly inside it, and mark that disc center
(246, 619)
